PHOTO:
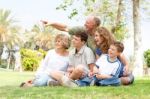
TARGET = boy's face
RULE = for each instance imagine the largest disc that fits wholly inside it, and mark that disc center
(113, 52)
(76, 41)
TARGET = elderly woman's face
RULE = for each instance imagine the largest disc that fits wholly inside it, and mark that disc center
(59, 43)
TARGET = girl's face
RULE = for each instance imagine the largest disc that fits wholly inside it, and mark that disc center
(59, 43)
(98, 38)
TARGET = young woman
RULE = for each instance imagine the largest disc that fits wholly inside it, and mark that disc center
(103, 39)
(56, 60)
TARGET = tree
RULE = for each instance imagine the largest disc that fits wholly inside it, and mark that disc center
(119, 28)
(40, 36)
(112, 18)
(138, 64)
(8, 31)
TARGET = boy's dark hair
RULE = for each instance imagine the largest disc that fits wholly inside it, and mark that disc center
(82, 35)
(119, 46)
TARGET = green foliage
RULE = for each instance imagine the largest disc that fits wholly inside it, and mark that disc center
(31, 58)
(65, 4)
(105, 9)
(73, 13)
(147, 57)
(120, 31)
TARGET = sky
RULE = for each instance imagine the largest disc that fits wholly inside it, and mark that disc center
(30, 12)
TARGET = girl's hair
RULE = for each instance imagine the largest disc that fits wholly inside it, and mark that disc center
(108, 39)
(64, 39)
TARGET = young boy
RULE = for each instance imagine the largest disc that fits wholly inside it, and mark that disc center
(81, 61)
(109, 66)
(107, 69)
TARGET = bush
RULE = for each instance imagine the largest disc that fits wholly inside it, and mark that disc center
(31, 58)
(147, 57)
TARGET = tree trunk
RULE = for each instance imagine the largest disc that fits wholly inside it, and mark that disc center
(119, 16)
(1, 51)
(138, 64)
(120, 9)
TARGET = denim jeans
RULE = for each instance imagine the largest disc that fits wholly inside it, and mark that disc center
(84, 81)
(41, 80)
(114, 81)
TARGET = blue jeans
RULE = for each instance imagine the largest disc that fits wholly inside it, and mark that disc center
(84, 81)
(114, 81)
(41, 80)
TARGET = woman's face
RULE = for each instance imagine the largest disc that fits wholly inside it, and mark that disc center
(59, 43)
(98, 38)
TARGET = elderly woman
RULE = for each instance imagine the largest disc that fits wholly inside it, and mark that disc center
(56, 59)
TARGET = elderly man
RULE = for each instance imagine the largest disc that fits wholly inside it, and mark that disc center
(91, 23)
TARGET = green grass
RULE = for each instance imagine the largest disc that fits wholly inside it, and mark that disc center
(9, 89)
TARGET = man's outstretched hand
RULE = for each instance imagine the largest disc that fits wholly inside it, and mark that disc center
(44, 22)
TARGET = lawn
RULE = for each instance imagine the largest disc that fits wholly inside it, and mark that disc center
(9, 89)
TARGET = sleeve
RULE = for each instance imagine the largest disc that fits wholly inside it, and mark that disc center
(43, 63)
(71, 60)
(116, 70)
(90, 57)
(75, 29)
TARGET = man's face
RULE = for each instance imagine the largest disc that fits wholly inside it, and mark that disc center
(76, 41)
(89, 24)
(113, 52)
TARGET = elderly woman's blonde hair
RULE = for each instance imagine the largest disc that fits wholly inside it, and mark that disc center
(64, 39)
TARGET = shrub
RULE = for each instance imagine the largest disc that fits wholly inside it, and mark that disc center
(147, 57)
(31, 58)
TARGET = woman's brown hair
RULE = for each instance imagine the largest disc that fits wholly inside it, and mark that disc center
(108, 39)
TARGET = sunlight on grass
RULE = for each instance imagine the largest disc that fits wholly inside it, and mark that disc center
(9, 89)
(14, 78)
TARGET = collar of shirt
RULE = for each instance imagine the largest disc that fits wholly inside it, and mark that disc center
(80, 51)
(109, 60)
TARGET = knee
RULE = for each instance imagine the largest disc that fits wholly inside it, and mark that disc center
(40, 82)
(79, 68)
(56, 75)
(126, 81)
